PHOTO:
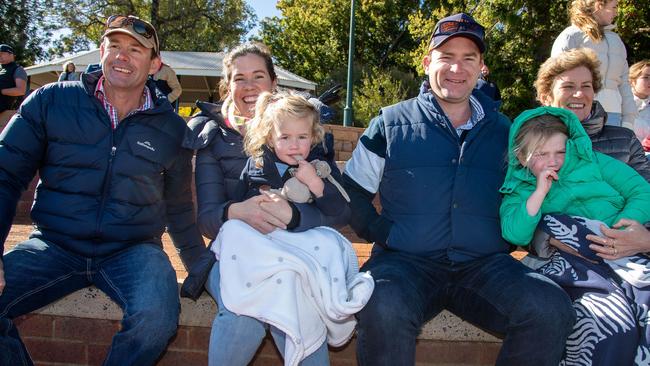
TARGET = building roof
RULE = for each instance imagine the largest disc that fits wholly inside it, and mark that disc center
(199, 72)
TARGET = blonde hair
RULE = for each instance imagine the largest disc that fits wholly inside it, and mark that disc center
(637, 69)
(65, 66)
(534, 133)
(565, 61)
(581, 13)
(270, 109)
(244, 49)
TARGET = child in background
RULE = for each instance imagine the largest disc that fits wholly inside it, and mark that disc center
(640, 81)
(557, 183)
(306, 286)
(592, 26)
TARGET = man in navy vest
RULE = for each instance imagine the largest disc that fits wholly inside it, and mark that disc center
(437, 162)
(113, 178)
(13, 79)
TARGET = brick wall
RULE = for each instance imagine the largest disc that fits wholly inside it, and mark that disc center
(72, 341)
(345, 140)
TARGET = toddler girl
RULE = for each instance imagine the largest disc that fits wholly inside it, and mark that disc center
(306, 286)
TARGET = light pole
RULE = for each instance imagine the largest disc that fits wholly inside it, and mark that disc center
(347, 112)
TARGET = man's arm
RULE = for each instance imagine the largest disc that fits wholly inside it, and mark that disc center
(18, 90)
(22, 147)
(361, 179)
(180, 210)
(20, 78)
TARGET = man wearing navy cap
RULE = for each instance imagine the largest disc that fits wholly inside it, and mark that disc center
(113, 178)
(437, 162)
(13, 80)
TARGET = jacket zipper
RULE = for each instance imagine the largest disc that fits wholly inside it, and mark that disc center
(106, 186)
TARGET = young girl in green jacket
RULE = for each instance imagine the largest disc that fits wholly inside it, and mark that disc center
(557, 183)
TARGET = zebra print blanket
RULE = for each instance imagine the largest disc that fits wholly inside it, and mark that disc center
(612, 325)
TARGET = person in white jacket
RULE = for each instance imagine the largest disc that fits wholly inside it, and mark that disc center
(640, 81)
(591, 27)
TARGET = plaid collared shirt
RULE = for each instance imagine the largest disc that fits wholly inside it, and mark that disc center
(477, 114)
(112, 111)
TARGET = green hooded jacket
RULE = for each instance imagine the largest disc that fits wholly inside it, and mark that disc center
(590, 184)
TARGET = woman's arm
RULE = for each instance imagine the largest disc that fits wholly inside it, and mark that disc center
(629, 184)
(632, 239)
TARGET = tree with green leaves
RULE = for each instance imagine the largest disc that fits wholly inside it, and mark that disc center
(25, 27)
(182, 25)
(311, 39)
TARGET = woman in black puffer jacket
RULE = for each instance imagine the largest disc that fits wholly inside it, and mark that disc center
(569, 80)
(217, 134)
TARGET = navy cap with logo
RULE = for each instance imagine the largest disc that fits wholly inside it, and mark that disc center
(6, 48)
(458, 25)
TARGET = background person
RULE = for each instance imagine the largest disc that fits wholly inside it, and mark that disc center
(167, 82)
(113, 178)
(69, 72)
(488, 87)
(437, 160)
(592, 27)
(217, 132)
(640, 81)
(13, 81)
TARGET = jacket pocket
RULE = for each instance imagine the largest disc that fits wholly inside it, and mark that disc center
(154, 153)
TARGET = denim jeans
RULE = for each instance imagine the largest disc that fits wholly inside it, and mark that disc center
(496, 293)
(234, 339)
(139, 279)
(614, 119)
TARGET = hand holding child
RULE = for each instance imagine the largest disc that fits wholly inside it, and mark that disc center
(625, 238)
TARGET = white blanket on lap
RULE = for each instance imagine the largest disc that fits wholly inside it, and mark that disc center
(306, 284)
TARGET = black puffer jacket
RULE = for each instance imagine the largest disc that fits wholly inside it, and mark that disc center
(617, 142)
(101, 190)
(220, 161)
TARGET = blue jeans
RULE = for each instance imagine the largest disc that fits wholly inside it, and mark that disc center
(614, 119)
(496, 293)
(139, 279)
(234, 339)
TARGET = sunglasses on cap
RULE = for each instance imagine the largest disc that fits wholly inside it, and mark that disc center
(450, 27)
(139, 26)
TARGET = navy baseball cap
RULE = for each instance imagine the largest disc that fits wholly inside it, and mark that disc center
(458, 25)
(7, 48)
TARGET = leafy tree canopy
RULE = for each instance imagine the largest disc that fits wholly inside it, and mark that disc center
(25, 27)
(311, 39)
(182, 25)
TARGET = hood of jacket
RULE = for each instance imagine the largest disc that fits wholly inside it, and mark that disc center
(578, 146)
